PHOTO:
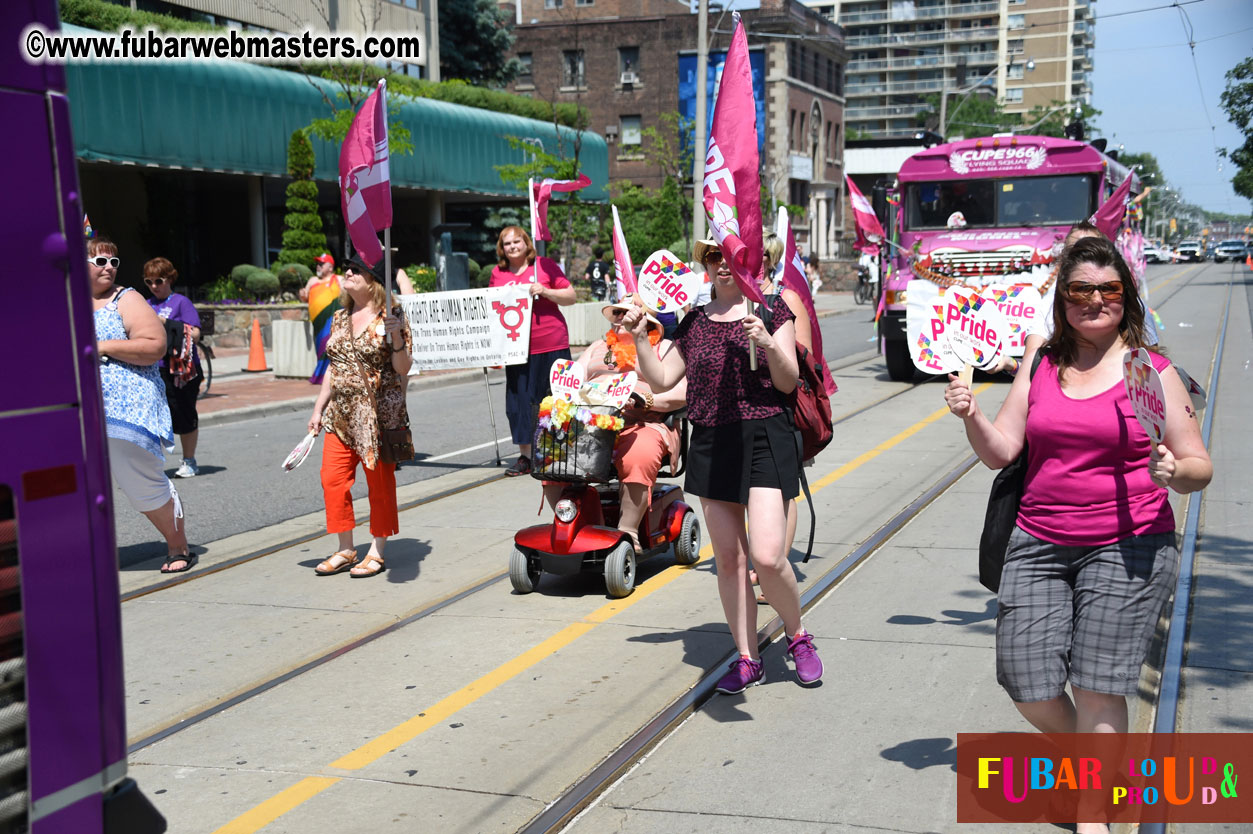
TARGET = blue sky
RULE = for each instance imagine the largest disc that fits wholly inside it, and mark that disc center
(1147, 89)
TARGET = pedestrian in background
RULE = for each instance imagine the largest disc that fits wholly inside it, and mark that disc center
(321, 293)
(363, 391)
(597, 275)
(742, 458)
(130, 340)
(813, 271)
(1093, 556)
(180, 369)
(526, 384)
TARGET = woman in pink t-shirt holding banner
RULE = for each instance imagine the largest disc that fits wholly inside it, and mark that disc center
(527, 384)
(1093, 557)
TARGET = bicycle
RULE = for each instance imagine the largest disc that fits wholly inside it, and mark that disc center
(865, 290)
(205, 352)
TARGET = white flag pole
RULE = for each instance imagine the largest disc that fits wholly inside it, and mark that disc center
(530, 196)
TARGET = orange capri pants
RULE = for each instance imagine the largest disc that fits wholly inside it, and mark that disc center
(339, 473)
(639, 453)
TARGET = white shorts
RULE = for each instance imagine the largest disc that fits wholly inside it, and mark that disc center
(139, 475)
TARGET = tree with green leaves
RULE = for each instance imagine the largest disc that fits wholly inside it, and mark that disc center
(1237, 100)
(303, 237)
(475, 40)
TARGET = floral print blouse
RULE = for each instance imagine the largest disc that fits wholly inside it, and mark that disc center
(358, 366)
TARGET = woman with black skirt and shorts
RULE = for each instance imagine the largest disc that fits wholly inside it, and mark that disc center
(742, 459)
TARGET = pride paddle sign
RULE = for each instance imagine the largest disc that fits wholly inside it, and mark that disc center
(566, 378)
(1144, 389)
(666, 284)
(613, 391)
(977, 338)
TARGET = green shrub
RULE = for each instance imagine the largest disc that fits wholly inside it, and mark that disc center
(303, 235)
(474, 270)
(292, 277)
(424, 278)
(262, 283)
(222, 289)
(240, 273)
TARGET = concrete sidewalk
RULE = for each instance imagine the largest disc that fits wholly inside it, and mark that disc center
(236, 394)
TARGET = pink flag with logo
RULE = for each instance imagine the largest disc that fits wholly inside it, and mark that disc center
(794, 279)
(869, 229)
(364, 179)
(621, 257)
(543, 190)
(732, 187)
(1109, 216)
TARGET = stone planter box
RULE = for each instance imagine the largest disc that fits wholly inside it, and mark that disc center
(233, 322)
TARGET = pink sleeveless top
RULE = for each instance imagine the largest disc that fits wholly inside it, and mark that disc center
(1087, 480)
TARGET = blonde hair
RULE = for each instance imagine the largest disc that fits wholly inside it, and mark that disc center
(772, 250)
(101, 245)
(378, 294)
(502, 261)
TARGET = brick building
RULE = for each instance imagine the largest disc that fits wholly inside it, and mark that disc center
(631, 61)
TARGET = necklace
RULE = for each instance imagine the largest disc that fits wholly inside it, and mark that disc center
(621, 353)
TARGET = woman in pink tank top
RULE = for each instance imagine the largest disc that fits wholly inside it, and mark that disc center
(1093, 558)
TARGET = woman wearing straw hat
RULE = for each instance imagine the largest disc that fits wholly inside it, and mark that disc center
(742, 458)
(645, 443)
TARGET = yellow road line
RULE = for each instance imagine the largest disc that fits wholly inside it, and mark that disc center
(1172, 278)
(270, 810)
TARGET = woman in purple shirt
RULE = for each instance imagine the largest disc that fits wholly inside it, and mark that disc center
(1093, 557)
(743, 460)
(182, 384)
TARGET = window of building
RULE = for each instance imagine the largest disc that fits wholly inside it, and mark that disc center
(572, 74)
(630, 130)
(1017, 71)
(1016, 46)
(1017, 21)
(584, 2)
(629, 59)
(552, 4)
(1017, 2)
(524, 74)
(800, 134)
(798, 192)
(1013, 96)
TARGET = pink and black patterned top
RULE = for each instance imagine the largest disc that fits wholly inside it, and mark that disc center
(720, 387)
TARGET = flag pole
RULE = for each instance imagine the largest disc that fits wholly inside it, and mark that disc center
(387, 274)
(530, 197)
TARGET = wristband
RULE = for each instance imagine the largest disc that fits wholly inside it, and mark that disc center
(648, 400)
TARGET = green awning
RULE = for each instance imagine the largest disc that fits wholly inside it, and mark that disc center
(237, 117)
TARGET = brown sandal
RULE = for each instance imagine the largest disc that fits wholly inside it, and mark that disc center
(371, 565)
(337, 562)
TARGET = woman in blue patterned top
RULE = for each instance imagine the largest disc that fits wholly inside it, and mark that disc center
(131, 340)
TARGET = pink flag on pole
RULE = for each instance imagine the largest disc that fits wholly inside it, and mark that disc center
(1109, 216)
(732, 187)
(542, 191)
(869, 229)
(794, 279)
(364, 179)
(621, 257)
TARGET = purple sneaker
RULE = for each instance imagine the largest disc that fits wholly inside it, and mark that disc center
(808, 665)
(744, 673)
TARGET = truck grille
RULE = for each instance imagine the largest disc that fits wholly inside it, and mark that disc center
(14, 798)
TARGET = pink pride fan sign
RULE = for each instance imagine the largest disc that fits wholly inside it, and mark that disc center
(365, 178)
(666, 283)
(975, 334)
(566, 378)
(1144, 389)
(612, 391)
(622, 256)
(301, 452)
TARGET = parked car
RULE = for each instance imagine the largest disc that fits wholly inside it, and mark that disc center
(1155, 253)
(1233, 250)
(1190, 250)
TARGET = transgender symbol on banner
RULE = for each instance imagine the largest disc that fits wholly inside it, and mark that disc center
(666, 283)
(1144, 389)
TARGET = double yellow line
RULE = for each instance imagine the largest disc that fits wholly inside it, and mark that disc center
(276, 806)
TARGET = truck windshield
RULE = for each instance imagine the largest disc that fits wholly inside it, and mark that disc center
(1009, 202)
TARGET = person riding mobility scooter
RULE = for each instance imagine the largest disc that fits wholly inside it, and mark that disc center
(601, 422)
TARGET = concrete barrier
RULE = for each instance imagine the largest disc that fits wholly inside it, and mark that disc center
(294, 351)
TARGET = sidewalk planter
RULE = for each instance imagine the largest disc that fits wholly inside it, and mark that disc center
(233, 322)
(294, 352)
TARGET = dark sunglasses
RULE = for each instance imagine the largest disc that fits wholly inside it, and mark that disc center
(154, 282)
(102, 261)
(713, 256)
(1079, 292)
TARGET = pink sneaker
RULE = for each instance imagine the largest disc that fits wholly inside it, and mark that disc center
(744, 673)
(808, 665)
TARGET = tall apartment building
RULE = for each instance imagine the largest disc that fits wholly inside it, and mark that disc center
(1027, 53)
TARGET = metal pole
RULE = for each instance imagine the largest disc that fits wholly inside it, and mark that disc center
(491, 410)
(699, 129)
(387, 275)
(943, 111)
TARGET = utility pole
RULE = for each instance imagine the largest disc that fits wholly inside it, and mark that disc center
(699, 129)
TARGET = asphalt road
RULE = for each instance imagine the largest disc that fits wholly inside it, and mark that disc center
(241, 486)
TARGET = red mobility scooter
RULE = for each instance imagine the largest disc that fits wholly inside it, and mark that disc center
(584, 534)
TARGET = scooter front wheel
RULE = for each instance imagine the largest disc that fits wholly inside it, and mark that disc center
(687, 545)
(620, 570)
(523, 573)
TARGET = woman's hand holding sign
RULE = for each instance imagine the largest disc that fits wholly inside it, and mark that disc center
(958, 396)
(755, 330)
(1162, 465)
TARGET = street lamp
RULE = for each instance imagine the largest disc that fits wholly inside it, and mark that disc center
(968, 91)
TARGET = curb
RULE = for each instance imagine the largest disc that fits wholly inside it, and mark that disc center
(253, 412)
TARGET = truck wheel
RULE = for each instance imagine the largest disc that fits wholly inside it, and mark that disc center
(620, 570)
(687, 545)
(900, 366)
(522, 574)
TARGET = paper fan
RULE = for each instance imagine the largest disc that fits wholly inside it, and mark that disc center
(301, 452)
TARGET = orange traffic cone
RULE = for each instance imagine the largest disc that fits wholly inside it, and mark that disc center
(1249, 261)
(256, 350)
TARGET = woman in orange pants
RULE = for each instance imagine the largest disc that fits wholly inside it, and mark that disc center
(363, 389)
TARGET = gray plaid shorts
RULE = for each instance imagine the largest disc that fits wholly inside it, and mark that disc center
(1083, 614)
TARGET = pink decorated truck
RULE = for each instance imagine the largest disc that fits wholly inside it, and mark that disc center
(988, 214)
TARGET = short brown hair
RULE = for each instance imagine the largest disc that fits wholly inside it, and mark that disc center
(502, 261)
(160, 268)
(101, 245)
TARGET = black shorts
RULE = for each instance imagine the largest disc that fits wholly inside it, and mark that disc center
(182, 402)
(724, 462)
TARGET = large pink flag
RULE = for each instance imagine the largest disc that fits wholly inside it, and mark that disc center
(1109, 216)
(543, 190)
(364, 179)
(794, 279)
(621, 257)
(732, 187)
(869, 229)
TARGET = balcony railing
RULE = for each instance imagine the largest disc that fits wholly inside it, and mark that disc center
(930, 85)
(977, 33)
(852, 114)
(924, 13)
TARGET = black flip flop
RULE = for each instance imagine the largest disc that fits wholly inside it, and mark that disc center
(189, 561)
